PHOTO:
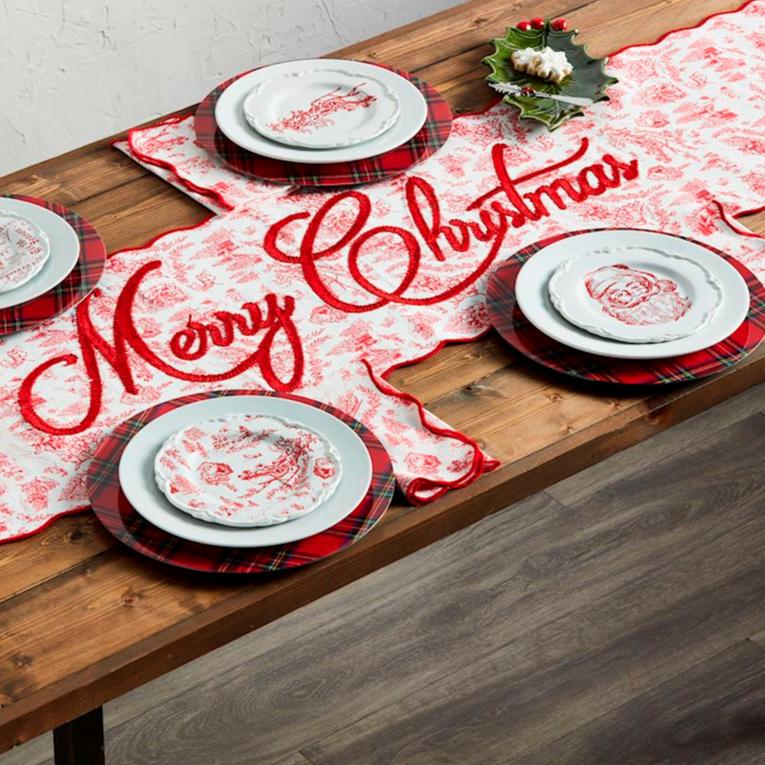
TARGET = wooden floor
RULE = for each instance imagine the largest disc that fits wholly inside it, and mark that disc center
(618, 617)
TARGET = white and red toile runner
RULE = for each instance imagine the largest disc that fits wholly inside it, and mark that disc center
(323, 293)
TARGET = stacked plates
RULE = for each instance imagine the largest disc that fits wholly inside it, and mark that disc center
(38, 250)
(313, 121)
(626, 305)
(240, 481)
(50, 258)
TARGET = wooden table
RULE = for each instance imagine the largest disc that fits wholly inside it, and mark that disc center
(83, 620)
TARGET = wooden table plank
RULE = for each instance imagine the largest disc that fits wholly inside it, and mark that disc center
(83, 620)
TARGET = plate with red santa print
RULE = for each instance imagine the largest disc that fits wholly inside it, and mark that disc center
(635, 294)
(583, 291)
(245, 471)
(508, 319)
(321, 107)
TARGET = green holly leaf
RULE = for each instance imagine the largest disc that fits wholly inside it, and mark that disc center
(588, 80)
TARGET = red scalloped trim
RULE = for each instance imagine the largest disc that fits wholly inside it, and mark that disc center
(698, 24)
(730, 219)
(47, 522)
(189, 184)
(423, 490)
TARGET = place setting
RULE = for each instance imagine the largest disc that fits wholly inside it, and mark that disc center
(50, 259)
(627, 306)
(323, 122)
(240, 481)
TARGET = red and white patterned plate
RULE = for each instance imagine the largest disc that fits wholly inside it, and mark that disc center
(321, 107)
(119, 517)
(247, 470)
(514, 327)
(635, 294)
(532, 292)
(78, 283)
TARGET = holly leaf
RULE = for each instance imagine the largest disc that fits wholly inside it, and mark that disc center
(588, 80)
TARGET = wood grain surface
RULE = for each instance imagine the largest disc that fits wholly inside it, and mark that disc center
(83, 620)
(622, 625)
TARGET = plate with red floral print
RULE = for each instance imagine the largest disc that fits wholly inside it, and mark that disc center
(635, 294)
(256, 450)
(609, 248)
(247, 470)
(321, 108)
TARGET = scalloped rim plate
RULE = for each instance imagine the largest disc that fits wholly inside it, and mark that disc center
(534, 300)
(275, 107)
(64, 251)
(693, 283)
(247, 470)
(229, 115)
(136, 472)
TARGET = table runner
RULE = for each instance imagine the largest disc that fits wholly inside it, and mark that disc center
(322, 294)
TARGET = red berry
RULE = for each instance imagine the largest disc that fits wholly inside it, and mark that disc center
(559, 25)
(537, 23)
(524, 26)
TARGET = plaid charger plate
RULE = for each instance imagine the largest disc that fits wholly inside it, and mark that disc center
(514, 327)
(124, 522)
(431, 137)
(79, 283)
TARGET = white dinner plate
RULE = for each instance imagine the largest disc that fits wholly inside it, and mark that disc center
(229, 114)
(321, 108)
(64, 251)
(136, 472)
(635, 294)
(531, 291)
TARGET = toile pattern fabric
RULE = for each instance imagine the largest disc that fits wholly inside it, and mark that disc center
(322, 294)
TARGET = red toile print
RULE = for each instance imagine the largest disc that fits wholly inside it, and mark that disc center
(319, 112)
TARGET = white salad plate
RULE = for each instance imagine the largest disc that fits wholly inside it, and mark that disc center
(321, 108)
(635, 294)
(247, 470)
(137, 478)
(24, 250)
(64, 251)
(230, 113)
(533, 298)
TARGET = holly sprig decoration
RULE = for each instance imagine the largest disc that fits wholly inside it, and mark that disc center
(588, 80)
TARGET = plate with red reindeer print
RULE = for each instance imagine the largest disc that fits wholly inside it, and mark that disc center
(335, 120)
(247, 470)
(321, 108)
(567, 289)
(635, 294)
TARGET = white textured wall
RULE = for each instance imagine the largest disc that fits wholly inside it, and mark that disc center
(73, 71)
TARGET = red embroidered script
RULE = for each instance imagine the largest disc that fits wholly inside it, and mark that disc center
(495, 216)
(496, 211)
(190, 343)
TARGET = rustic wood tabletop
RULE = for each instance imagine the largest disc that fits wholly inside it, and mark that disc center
(83, 620)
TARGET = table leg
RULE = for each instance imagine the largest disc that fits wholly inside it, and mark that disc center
(81, 741)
